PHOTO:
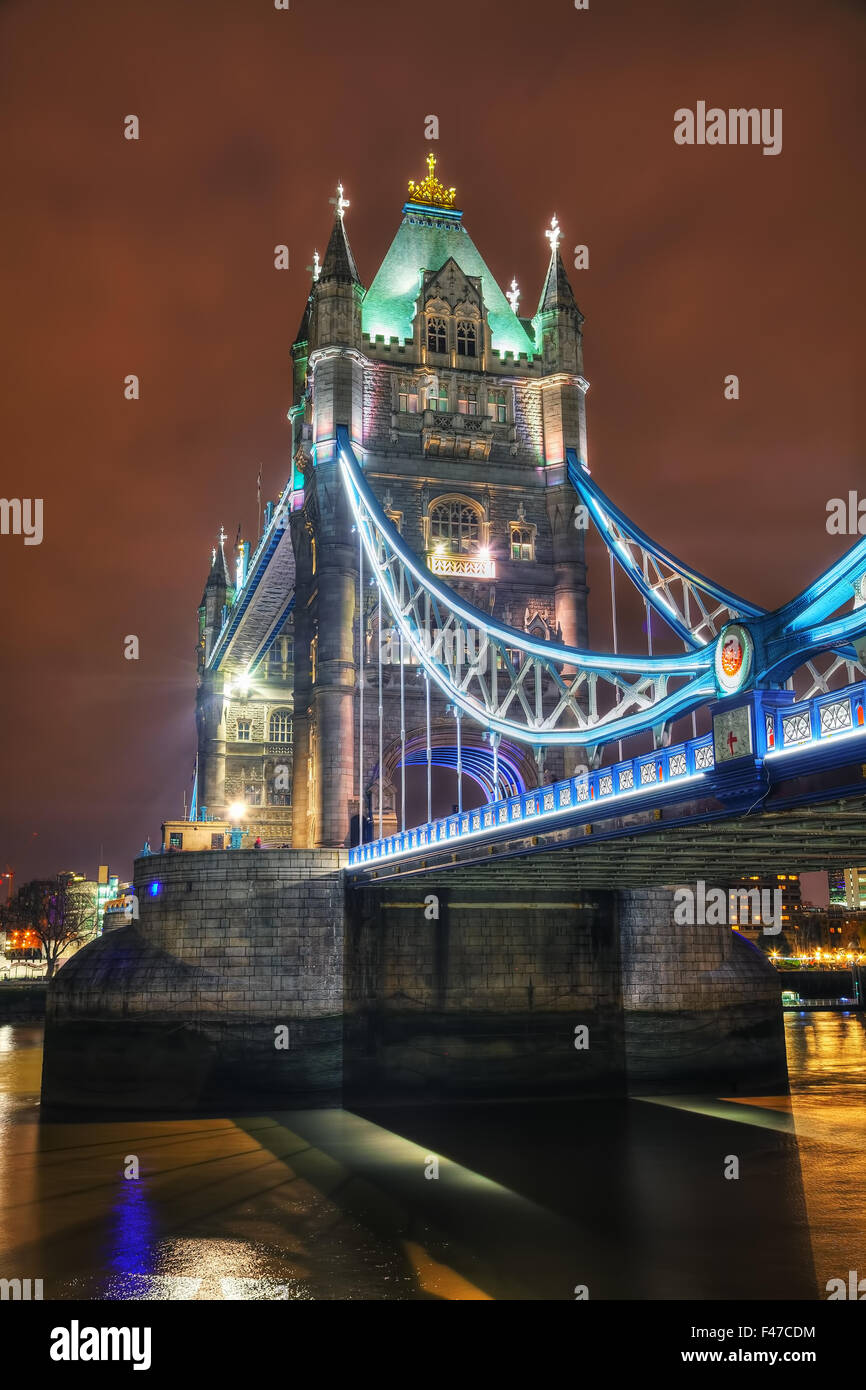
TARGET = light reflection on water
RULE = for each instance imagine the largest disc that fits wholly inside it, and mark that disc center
(531, 1199)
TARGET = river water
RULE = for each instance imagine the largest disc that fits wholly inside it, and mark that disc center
(629, 1200)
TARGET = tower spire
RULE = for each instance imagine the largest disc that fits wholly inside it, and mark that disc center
(556, 293)
(339, 263)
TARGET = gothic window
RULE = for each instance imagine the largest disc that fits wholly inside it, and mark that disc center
(437, 334)
(455, 524)
(252, 794)
(467, 339)
(437, 398)
(279, 796)
(281, 726)
(467, 401)
(216, 841)
(496, 407)
(244, 731)
(521, 543)
(314, 656)
(396, 518)
(281, 652)
(313, 553)
(537, 627)
(408, 398)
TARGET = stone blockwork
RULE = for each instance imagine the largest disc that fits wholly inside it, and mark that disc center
(430, 989)
(701, 1004)
(456, 992)
(180, 1009)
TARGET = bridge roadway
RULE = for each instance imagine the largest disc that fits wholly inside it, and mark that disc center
(618, 853)
(667, 815)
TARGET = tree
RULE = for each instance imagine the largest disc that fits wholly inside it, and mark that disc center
(60, 914)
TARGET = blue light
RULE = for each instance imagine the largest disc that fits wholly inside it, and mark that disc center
(154, 888)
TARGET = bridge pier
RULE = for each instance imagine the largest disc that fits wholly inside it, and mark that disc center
(457, 991)
(701, 1005)
(265, 979)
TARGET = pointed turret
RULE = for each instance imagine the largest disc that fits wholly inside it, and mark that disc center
(219, 569)
(335, 310)
(339, 263)
(558, 320)
(303, 333)
(557, 292)
(219, 590)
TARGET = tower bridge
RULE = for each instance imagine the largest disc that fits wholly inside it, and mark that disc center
(418, 598)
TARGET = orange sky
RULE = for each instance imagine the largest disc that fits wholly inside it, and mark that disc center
(156, 257)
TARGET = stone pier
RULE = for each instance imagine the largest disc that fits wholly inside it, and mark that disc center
(183, 1010)
(268, 979)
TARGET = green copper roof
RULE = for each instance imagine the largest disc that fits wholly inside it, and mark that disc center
(424, 241)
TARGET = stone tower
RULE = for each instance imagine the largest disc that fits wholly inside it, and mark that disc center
(244, 707)
(460, 411)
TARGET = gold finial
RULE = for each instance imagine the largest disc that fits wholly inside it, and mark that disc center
(431, 190)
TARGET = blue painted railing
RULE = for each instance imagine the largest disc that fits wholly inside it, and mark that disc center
(789, 729)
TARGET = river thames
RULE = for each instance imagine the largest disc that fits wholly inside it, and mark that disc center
(623, 1199)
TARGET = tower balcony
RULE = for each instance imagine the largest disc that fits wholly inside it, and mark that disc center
(475, 565)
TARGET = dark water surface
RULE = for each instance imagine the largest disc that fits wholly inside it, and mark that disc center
(533, 1199)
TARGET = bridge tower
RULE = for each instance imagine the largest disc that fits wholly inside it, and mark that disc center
(329, 382)
(461, 411)
(210, 703)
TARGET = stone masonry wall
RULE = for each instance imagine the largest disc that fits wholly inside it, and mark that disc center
(180, 1009)
(701, 1004)
(431, 988)
(482, 1000)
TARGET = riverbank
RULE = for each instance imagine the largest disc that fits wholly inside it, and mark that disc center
(22, 1001)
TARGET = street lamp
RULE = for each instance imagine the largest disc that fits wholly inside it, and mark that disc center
(237, 810)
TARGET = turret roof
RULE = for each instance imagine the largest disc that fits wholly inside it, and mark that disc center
(339, 263)
(424, 241)
(557, 292)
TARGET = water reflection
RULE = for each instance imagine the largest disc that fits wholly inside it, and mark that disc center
(531, 1200)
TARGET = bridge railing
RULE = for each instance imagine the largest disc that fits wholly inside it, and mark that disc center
(805, 722)
(796, 727)
(680, 763)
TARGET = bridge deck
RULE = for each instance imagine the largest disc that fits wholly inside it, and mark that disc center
(809, 763)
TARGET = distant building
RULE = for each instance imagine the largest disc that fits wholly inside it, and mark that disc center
(787, 884)
(22, 946)
(855, 888)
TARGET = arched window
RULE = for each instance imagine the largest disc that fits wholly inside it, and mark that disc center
(407, 396)
(281, 726)
(521, 543)
(437, 334)
(455, 524)
(467, 339)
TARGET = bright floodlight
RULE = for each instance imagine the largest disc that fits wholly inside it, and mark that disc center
(236, 810)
